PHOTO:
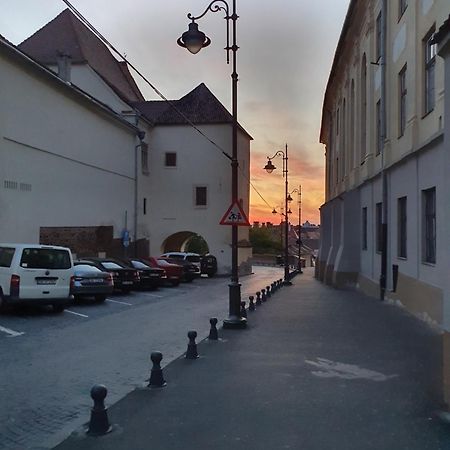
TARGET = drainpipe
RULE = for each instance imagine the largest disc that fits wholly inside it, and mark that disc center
(384, 221)
(141, 136)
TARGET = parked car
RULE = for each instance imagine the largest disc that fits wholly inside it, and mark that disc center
(124, 278)
(90, 281)
(150, 277)
(174, 272)
(190, 270)
(193, 258)
(35, 274)
(208, 265)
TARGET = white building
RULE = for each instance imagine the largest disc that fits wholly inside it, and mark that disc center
(171, 200)
(387, 159)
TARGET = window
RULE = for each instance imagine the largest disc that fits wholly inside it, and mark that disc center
(430, 63)
(364, 228)
(337, 121)
(144, 158)
(171, 159)
(379, 226)
(144, 207)
(379, 128)
(401, 227)
(200, 196)
(6, 256)
(402, 5)
(378, 26)
(429, 222)
(402, 91)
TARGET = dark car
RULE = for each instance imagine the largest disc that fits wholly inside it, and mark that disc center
(174, 272)
(90, 281)
(124, 277)
(190, 270)
(208, 265)
(149, 277)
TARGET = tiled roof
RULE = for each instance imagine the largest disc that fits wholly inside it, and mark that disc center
(65, 34)
(200, 106)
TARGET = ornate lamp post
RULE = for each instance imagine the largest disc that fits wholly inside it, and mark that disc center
(299, 192)
(194, 40)
(269, 167)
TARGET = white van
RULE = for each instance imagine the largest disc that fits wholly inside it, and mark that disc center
(35, 274)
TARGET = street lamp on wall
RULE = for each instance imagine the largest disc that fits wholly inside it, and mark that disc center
(194, 40)
(269, 168)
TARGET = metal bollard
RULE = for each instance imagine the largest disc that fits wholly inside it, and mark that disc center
(156, 374)
(243, 310)
(258, 298)
(99, 423)
(251, 306)
(263, 295)
(268, 292)
(191, 352)
(213, 334)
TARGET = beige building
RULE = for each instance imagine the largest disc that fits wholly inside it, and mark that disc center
(384, 224)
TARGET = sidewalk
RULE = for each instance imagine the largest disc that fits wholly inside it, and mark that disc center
(316, 369)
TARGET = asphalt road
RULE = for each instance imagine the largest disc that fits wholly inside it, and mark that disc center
(49, 362)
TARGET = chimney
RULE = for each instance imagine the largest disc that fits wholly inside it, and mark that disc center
(64, 66)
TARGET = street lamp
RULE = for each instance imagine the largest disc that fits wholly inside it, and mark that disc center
(299, 192)
(269, 167)
(194, 40)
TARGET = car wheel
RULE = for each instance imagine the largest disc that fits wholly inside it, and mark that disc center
(2, 302)
(100, 298)
(175, 283)
(77, 298)
(58, 308)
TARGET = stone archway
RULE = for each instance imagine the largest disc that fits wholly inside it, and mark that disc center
(177, 242)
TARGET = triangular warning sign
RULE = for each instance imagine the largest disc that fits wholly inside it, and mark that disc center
(235, 216)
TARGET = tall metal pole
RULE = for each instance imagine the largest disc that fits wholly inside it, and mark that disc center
(286, 218)
(234, 320)
(300, 229)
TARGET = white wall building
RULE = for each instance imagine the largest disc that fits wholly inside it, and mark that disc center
(170, 203)
(386, 158)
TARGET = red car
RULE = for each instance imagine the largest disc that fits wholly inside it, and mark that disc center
(174, 272)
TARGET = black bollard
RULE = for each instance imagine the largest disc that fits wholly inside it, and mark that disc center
(213, 334)
(258, 298)
(99, 423)
(263, 295)
(191, 352)
(243, 310)
(251, 306)
(274, 287)
(156, 375)
(269, 292)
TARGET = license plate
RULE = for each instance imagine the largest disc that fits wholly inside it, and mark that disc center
(95, 280)
(127, 282)
(46, 281)
(154, 275)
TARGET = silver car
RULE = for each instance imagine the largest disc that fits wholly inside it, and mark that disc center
(90, 281)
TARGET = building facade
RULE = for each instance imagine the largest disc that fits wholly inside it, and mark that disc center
(384, 224)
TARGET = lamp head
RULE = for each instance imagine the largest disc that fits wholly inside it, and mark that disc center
(289, 198)
(269, 167)
(193, 39)
(274, 211)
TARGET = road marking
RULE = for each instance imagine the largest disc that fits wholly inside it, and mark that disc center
(122, 303)
(77, 314)
(154, 295)
(330, 369)
(11, 333)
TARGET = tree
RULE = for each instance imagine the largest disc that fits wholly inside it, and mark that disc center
(264, 241)
(196, 244)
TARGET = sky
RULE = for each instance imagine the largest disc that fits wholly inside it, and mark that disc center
(286, 49)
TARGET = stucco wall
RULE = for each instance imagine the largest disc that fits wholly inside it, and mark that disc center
(73, 164)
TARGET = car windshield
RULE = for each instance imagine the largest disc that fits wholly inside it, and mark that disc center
(45, 258)
(176, 256)
(111, 265)
(82, 268)
(163, 262)
(139, 265)
(193, 258)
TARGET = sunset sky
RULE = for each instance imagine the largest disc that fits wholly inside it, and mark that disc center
(285, 55)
